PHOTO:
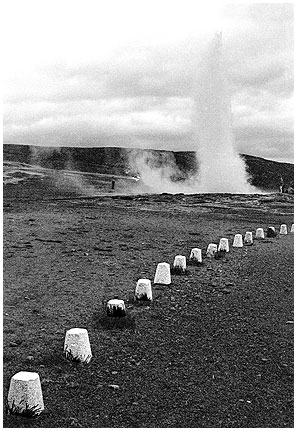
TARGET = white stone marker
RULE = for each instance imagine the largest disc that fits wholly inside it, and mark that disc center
(292, 228)
(211, 250)
(143, 289)
(77, 345)
(116, 307)
(283, 229)
(25, 393)
(196, 255)
(260, 233)
(180, 262)
(162, 275)
(248, 238)
(224, 244)
(237, 242)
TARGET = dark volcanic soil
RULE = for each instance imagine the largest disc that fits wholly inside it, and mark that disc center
(214, 349)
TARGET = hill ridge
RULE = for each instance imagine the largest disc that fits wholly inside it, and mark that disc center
(264, 173)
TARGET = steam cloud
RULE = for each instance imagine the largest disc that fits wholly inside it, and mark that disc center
(221, 169)
(160, 174)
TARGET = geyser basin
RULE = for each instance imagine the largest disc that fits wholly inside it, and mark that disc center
(143, 290)
(77, 345)
(25, 394)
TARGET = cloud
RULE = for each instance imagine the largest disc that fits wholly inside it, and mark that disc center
(135, 86)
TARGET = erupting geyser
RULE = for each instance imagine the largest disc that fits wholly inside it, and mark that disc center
(221, 170)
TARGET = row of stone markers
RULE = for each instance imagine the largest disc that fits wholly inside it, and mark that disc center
(25, 394)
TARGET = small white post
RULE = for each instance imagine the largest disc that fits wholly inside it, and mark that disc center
(162, 275)
(224, 245)
(283, 229)
(180, 263)
(237, 242)
(143, 290)
(211, 250)
(116, 307)
(248, 239)
(260, 233)
(77, 345)
(25, 394)
(196, 255)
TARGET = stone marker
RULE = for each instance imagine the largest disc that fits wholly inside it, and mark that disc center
(271, 233)
(77, 345)
(196, 255)
(211, 250)
(143, 289)
(25, 394)
(283, 229)
(162, 275)
(237, 242)
(260, 233)
(116, 307)
(248, 238)
(180, 262)
(224, 244)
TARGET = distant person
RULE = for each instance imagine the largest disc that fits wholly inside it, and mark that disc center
(290, 190)
(112, 184)
(281, 186)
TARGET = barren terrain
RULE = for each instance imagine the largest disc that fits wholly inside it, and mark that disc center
(213, 349)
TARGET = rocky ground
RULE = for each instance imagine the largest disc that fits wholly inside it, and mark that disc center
(213, 349)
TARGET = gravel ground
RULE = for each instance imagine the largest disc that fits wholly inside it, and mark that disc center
(213, 349)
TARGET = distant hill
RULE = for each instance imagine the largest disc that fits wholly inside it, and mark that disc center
(264, 174)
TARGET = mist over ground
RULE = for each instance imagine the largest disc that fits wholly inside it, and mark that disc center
(135, 170)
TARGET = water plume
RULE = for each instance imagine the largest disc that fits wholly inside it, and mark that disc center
(221, 169)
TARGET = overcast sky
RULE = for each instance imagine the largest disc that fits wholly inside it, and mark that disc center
(122, 72)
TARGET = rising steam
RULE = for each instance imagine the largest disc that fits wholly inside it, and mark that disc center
(159, 173)
(221, 169)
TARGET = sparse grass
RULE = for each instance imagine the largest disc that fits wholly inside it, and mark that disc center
(143, 298)
(78, 359)
(28, 411)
